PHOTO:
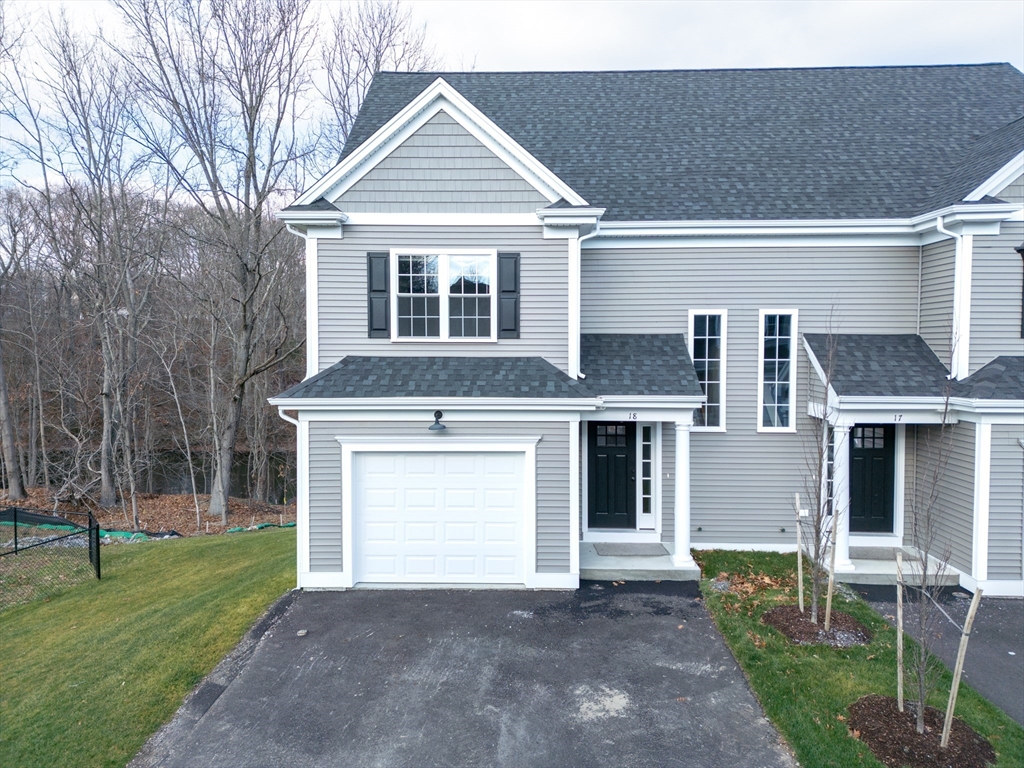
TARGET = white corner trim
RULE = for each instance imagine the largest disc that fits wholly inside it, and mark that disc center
(438, 96)
(575, 511)
(794, 335)
(960, 341)
(302, 501)
(999, 179)
(982, 482)
(724, 313)
(312, 308)
(574, 307)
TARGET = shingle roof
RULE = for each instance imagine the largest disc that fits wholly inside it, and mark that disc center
(1002, 379)
(638, 364)
(866, 142)
(870, 365)
(358, 377)
(317, 205)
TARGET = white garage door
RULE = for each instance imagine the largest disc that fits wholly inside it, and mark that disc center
(438, 517)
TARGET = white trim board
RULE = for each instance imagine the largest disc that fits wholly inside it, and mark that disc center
(998, 180)
(794, 336)
(724, 314)
(438, 96)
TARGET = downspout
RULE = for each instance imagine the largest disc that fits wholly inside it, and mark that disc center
(578, 288)
(959, 338)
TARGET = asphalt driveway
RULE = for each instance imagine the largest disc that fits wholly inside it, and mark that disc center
(630, 675)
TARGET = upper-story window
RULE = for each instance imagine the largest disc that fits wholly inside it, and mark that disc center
(707, 349)
(444, 295)
(777, 371)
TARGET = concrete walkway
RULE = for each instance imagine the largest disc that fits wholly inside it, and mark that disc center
(631, 675)
(994, 665)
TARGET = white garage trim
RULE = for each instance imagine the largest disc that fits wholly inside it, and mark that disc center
(442, 444)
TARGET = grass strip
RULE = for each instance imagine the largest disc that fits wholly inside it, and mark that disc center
(805, 690)
(87, 676)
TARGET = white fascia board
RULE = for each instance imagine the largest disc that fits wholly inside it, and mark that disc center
(437, 96)
(406, 403)
(658, 401)
(999, 179)
(444, 219)
(907, 231)
(570, 217)
(312, 218)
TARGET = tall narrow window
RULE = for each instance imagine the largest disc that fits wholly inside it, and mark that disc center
(830, 468)
(646, 469)
(777, 374)
(707, 348)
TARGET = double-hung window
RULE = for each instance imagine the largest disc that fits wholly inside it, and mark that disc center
(707, 350)
(444, 295)
(777, 370)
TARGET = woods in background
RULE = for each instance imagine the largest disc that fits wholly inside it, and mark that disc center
(149, 302)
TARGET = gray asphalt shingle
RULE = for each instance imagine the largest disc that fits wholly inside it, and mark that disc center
(638, 364)
(864, 142)
(1002, 379)
(359, 377)
(880, 365)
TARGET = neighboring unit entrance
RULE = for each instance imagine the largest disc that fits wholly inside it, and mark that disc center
(872, 473)
(449, 518)
(611, 470)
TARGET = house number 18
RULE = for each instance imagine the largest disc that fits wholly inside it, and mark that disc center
(632, 417)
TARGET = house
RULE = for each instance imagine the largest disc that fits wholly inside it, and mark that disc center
(568, 323)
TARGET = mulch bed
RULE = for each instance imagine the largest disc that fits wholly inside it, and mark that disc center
(844, 630)
(893, 738)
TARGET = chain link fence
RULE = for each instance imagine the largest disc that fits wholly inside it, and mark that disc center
(42, 554)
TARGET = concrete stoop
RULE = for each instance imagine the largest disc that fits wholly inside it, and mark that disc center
(877, 565)
(597, 567)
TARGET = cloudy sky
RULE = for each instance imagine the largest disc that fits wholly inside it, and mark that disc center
(655, 34)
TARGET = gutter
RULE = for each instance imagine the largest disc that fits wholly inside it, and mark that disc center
(577, 287)
(960, 339)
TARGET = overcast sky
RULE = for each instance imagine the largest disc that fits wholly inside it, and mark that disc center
(662, 34)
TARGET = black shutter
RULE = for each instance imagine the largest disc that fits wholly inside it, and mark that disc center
(508, 295)
(378, 309)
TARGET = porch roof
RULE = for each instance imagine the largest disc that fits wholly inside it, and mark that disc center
(1002, 379)
(879, 365)
(640, 364)
(489, 377)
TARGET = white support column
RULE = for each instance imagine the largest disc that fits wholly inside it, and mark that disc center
(841, 495)
(982, 485)
(682, 557)
(574, 498)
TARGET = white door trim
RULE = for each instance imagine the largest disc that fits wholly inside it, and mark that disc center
(600, 535)
(528, 447)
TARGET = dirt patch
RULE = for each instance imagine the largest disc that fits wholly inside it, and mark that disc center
(893, 738)
(171, 512)
(844, 630)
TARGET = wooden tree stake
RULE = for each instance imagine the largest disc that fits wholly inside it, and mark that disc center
(899, 629)
(799, 555)
(964, 637)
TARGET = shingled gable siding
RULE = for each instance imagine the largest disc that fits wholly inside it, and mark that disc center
(544, 296)
(742, 482)
(1006, 503)
(953, 512)
(996, 295)
(325, 545)
(1012, 192)
(441, 168)
(937, 268)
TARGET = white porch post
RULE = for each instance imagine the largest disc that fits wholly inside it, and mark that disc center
(841, 495)
(682, 557)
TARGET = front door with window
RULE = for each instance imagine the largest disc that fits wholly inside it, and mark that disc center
(611, 482)
(872, 478)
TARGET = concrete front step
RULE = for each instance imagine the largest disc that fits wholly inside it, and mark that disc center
(631, 567)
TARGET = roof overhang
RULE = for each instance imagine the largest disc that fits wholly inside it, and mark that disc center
(438, 96)
(466, 403)
(997, 181)
(306, 218)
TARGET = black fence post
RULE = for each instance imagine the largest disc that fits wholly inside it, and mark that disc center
(15, 510)
(94, 544)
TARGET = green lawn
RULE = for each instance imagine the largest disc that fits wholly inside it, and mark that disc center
(88, 676)
(805, 690)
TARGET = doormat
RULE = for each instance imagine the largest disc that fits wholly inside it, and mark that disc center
(629, 550)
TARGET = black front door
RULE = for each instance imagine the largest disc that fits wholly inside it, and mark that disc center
(872, 473)
(611, 466)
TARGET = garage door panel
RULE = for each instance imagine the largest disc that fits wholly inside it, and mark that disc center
(444, 517)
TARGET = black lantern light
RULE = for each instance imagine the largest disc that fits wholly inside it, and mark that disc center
(437, 426)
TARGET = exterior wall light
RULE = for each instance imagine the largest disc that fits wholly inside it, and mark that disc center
(437, 426)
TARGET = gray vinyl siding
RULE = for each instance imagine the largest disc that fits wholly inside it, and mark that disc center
(948, 463)
(668, 481)
(325, 545)
(441, 168)
(1006, 503)
(996, 277)
(937, 272)
(544, 292)
(742, 481)
(1012, 192)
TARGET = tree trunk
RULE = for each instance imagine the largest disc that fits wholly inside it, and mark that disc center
(15, 487)
(108, 493)
(225, 457)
